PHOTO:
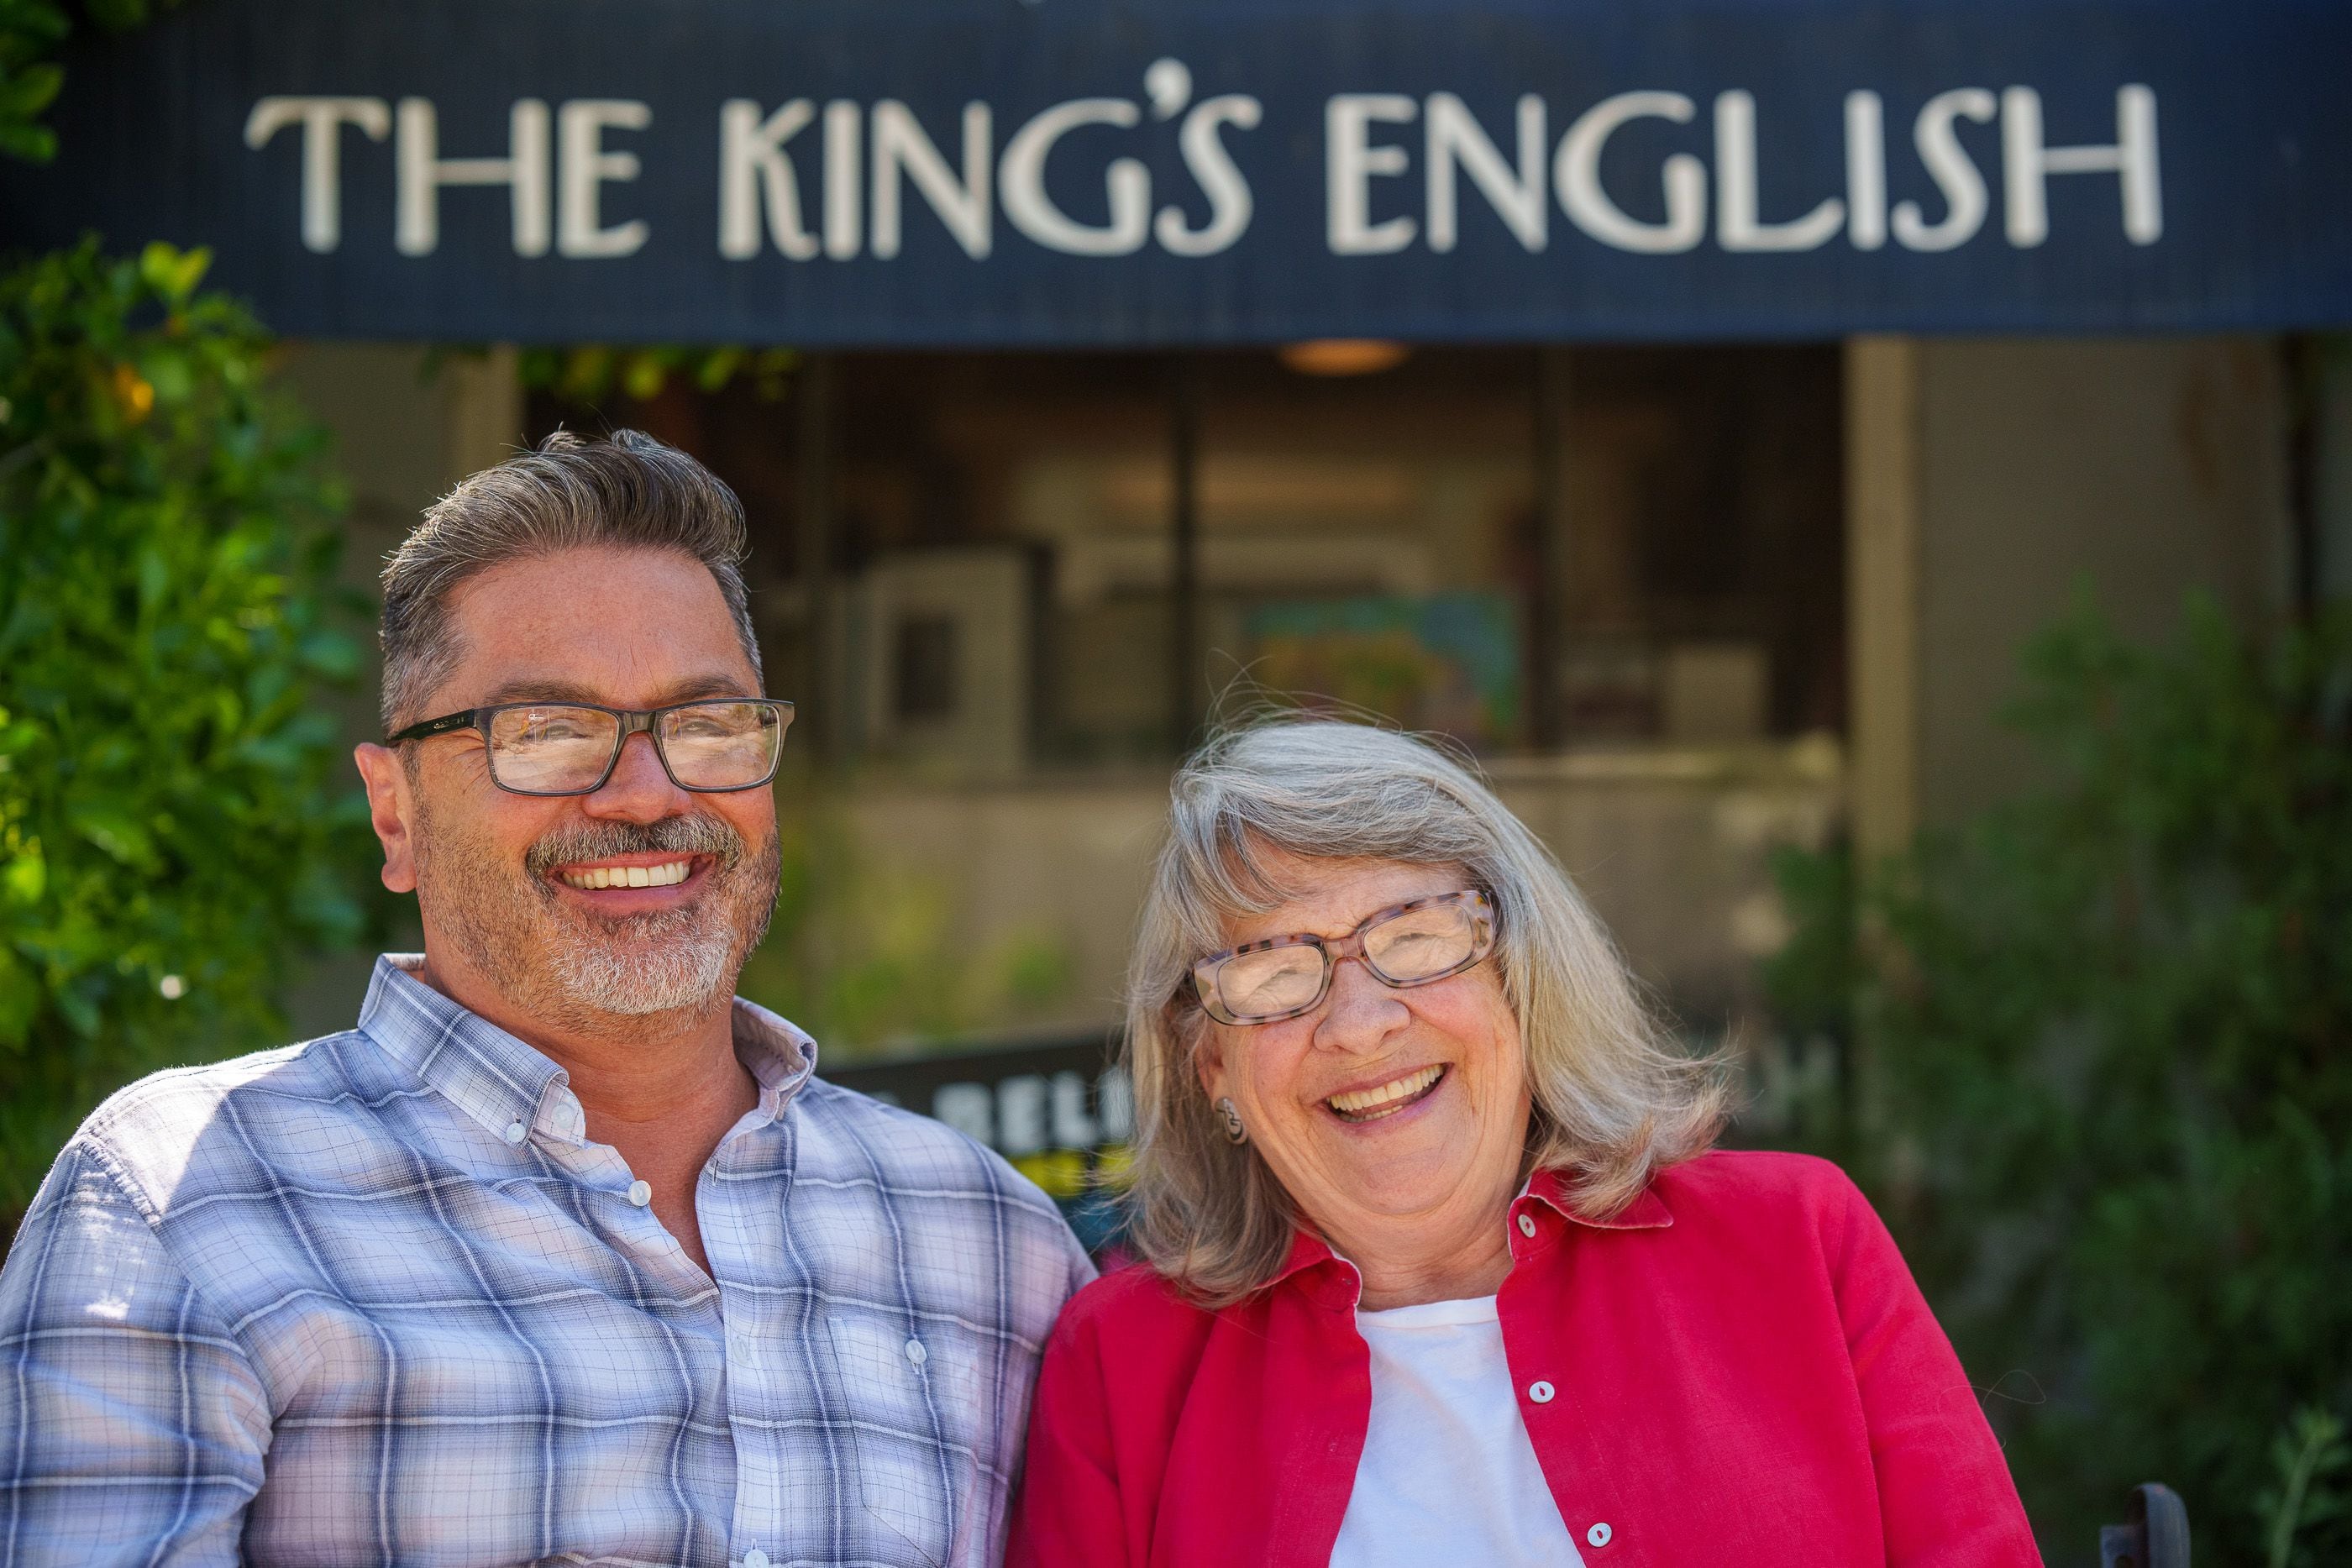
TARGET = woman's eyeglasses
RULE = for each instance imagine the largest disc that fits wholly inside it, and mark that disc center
(571, 748)
(1409, 945)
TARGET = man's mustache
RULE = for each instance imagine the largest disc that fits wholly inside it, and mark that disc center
(695, 835)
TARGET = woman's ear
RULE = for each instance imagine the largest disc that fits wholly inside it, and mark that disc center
(1209, 1061)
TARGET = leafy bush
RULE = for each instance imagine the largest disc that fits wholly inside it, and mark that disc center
(864, 954)
(2109, 1037)
(173, 823)
(31, 31)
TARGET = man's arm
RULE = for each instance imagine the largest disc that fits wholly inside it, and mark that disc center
(133, 1425)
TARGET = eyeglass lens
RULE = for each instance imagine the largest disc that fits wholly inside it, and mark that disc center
(1406, 949)
(556, 750)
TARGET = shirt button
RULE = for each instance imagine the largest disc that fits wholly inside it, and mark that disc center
(1598, 1535)
(1527, 1225)
(1540, 1392)
(916, 1353)
(517, 1132)
(755, 1558)
(641, 1193)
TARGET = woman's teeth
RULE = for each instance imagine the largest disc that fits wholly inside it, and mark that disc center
(1372, 1104)
(630, 875)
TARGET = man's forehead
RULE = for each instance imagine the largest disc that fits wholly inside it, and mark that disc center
(621, 627)
(566, 687)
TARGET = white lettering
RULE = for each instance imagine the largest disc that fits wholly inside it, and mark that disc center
(900, 147)
(753, 162)
(1576, 176)
(844, 221)
(322, 119)
(1021, 1114)
(1955, 172)
(586, 167)
(1115, 1097)
(1218, 177)
(1736, 226)
(1349, 162)
(2026, 162)
(1020, 181)
(968, 1108)
(1455, 137)
(421, 171)
(1865, 170)
(1072, 1127)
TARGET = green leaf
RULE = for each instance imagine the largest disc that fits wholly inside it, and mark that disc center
(172, 273)
(29, 91)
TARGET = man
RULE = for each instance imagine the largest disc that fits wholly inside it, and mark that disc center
(561, 1253)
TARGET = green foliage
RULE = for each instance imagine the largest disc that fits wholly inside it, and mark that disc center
(864, 955)
(172, 826)
(2109, 1027)
(588, 373)
(31, 32)
(2309, 1460)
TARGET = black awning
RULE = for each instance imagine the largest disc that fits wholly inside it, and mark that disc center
(1167, 172)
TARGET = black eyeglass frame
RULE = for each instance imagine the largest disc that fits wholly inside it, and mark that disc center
(632, 721)
(1200, 984)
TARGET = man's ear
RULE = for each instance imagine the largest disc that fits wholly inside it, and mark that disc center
(392, 811)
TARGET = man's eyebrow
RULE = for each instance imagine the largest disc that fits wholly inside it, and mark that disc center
(555, 689)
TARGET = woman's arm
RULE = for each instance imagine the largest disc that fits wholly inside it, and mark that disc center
(1945, 1495)
(1068, 1514)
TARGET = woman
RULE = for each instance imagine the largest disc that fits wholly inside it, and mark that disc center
(1440, 1270)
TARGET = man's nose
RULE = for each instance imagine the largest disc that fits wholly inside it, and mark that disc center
(1360, 1012)
(639, 789)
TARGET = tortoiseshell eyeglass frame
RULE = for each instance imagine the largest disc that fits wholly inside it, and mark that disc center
(1200, 985)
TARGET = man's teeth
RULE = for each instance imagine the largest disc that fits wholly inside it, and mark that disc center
(630, 875)
(1365, 1105)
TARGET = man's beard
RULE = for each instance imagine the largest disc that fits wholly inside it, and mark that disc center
(576, 968)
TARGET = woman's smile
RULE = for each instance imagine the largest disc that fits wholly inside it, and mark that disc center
(1387, 1098)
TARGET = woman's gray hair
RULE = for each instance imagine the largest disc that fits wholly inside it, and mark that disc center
(1615, 1099)
(629, 492)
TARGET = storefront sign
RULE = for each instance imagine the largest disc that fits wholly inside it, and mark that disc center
(1100, 171)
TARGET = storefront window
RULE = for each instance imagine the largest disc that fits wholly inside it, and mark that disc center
(1005, 593)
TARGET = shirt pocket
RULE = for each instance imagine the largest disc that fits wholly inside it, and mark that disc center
(915, 1415)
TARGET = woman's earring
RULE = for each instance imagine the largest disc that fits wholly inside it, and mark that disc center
(1235, 1131)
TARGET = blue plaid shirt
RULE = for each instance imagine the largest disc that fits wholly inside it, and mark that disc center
(377, 1299)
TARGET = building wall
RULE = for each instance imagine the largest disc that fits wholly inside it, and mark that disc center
(2142, 470)
(1673, 848)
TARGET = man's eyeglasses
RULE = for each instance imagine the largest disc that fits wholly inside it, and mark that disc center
(1409, 945)
(571, 748)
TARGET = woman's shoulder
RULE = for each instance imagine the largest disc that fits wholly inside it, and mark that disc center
(1752, 1187)
(1129, 1301)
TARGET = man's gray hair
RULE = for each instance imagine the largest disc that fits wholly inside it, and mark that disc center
(629, 492)
(1615, 1099)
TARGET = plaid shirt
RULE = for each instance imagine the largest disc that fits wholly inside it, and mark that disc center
(377, 1299)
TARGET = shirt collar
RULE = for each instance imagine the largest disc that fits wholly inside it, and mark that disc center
(498, 1080)
(1340, 1285)
(1648, 1211)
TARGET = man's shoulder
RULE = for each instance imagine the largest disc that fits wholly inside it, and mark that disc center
(185, 1131)
(862, 1138)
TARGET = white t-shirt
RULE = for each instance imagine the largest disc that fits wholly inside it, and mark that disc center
(1448, 1475)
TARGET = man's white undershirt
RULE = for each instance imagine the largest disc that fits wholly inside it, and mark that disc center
(1448, 1475)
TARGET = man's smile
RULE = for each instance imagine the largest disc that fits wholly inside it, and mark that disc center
(633, 884)
(661, 876)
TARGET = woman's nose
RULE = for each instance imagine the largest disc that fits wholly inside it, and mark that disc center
(1360, 1012)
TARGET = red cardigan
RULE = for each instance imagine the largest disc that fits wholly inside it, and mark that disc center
(1737, 1369)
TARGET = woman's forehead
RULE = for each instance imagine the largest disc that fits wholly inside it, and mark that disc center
(1332, 897)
